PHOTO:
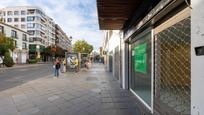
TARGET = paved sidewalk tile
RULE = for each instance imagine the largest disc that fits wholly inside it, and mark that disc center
(88, 92)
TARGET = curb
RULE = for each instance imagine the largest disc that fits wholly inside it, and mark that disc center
(23, 65)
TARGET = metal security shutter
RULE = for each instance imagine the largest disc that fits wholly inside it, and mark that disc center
(172, 65)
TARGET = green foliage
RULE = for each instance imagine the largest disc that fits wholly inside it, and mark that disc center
(81, 46)
(6, 44)
(3, 49)
(32, 61)
(8, 61)
(48, 51)
(58, 52)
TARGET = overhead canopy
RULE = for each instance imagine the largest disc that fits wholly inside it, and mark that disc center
(113, 14)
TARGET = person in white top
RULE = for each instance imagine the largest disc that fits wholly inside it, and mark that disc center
(1, 61)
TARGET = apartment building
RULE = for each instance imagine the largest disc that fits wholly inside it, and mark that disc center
(20, 53)
(33, 20)
(62, 39)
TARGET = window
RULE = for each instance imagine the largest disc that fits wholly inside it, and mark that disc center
(31, 40)
(1, 29)
(37, 33)
(15, 25)
(30, 18)
(16, 13)
(23, 12)
(13, 34)
(38, 26)
(24, 46)
(22, 19)
(30, 25)
(24, 37)
(3, 13)
(31, 11)
(38, 11)
(9, 13)
(38, 18)
(34, 39)
(9, 19)
(15, 19)
(31, 32)
(23, 26)
(141, 62)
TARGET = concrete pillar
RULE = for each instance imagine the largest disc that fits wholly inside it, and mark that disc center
(125, 77)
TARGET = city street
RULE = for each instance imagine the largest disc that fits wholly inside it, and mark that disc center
(33, 90)
(11, 77)
(101, 57)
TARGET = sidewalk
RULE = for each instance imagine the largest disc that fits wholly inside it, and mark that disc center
(89, 92)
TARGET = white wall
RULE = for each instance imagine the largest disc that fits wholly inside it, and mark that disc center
(113, 42)
(197, 62)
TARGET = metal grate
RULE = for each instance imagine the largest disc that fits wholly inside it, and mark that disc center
(172, 58)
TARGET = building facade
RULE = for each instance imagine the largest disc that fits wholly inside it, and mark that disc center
(20, 53)
(62, 40)
(148, 47)
(33, 20)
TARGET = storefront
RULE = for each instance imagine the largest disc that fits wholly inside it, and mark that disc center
(159, 62)
(36, 51)
(155, 53)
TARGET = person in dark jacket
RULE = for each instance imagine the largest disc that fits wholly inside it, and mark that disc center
(57, 67)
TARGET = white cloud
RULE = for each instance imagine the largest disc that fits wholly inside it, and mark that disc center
(78, 18)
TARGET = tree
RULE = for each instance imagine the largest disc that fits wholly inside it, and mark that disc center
(48, 51)
(54, 50)
(59, 52)
(6, 44)
(81, 46)
(8, 61)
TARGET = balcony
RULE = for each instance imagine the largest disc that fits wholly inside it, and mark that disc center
(31, 12)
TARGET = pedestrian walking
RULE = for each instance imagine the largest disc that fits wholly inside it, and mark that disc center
(63, 66)
(1, 61)
(57, 67)
(87, 64)
(76, 62)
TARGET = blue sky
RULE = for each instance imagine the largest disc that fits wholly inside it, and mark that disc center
(78, 18)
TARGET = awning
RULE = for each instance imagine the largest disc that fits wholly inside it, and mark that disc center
(113, 14)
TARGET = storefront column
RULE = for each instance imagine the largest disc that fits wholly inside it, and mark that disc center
(125, 77)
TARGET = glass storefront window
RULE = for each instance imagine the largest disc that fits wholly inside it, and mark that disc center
(141, 68)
